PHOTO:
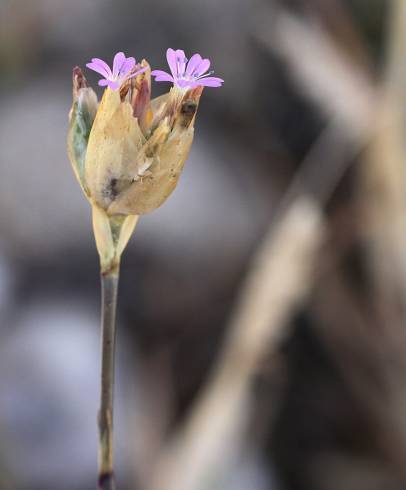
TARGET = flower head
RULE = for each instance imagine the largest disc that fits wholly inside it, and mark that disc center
(187, 74)
(123, 69)
(128, 151)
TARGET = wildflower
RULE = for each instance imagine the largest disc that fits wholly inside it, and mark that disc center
(127, 150)
(123, 69)
(187, 74)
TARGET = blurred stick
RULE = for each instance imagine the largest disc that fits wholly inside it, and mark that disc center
(348, 96)
(340, 88)
(383, 180)
(372, 365)
(371, 355)
(380, 117)
(366, 115)
(324, 166)
(336, 15)
(279, 279)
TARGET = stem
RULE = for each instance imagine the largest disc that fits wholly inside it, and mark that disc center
(109, 287)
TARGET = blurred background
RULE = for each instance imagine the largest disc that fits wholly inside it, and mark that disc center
(262, 309)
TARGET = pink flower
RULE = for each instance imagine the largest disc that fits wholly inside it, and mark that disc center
(123, 69)
(187, 74)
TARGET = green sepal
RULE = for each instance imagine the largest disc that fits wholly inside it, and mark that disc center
(82, 116)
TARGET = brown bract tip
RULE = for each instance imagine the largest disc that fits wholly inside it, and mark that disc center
(79, 81)
(133, 83)
(141, 98)
(188, 107)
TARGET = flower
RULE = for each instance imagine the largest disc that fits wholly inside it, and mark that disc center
(128, 151)
(123, 69)
(186, 74)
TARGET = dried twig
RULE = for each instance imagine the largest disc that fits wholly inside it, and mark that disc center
(383, 179)
(278, 282)
(341, 89)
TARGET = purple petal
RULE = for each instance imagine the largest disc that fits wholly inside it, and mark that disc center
(127, 66)
(141, 70)
(113, 85)
(171, 59)
(181, 61)
(162, 76)
(166, 78)
(193, 84)
(203, 67)
(109, 83)
(163, 80)
(98, 69)
(102, 64)
(210, 82)
(158, 73)
(184, 83)
(118, 62)
(194, 62)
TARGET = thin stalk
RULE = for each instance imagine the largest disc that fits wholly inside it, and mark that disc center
(109, 287)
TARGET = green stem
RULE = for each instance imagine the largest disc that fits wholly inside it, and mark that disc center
(109, 287)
